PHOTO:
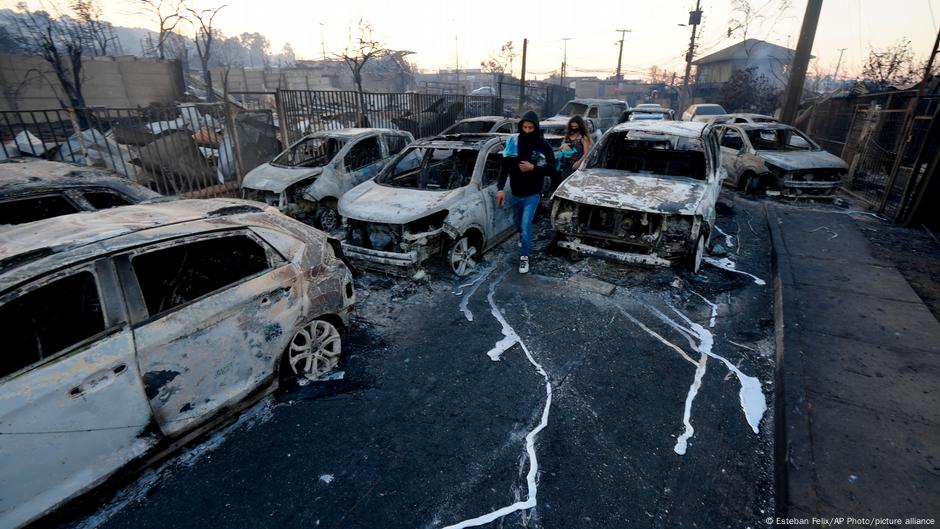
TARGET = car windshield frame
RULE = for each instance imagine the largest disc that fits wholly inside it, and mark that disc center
(709, 110)
(652, 146)
(569, 109)
(430, 167)
(781, 141)
(284, 159)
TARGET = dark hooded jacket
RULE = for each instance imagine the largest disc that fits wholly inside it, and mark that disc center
(532, 148)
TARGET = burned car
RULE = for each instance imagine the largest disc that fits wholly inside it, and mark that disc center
(780, 157)
(743, 117)
(647, 113)
(126, 330)
(307, 180)
(483, 125)
(646, 194)
(38, 189)
(436, 198)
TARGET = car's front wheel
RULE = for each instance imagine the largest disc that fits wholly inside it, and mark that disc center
(462, 256)
(314, 350)
(327, 218)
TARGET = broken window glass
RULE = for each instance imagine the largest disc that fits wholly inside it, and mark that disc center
(364, 153)
(395, 143)
(573, 109)
(310, 152)
(732, 139)
(179, 274)
(659, 155)
(432, 169)
(779, 140)
(494, 162)
(49, 319)
(105, 199)
(35, 208)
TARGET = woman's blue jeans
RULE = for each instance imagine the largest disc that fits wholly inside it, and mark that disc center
(523, 211)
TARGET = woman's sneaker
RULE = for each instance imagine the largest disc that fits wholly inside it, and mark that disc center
(523, 265)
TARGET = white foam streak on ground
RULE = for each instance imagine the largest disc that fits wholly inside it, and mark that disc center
(682, 443)
(751, 396)
(714, 306)
(510, 337)
(656, 335)
(137, 492)
(474, 284)
(729, 239)
(532, 488)
(728, 264)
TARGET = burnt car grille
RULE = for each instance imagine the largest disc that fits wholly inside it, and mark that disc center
(374, 236)
(817, 175)
(268, 197)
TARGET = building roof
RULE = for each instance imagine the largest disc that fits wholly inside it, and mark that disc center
(748, 49)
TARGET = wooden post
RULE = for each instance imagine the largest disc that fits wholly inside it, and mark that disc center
(525, 46)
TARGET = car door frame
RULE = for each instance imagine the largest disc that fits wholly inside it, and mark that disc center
(174, 423)
(101, 368)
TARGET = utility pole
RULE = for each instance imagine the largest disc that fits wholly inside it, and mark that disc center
(835, 76)
(564, 61)
(623, 33)
(457, 60)
(695, 18)
(525, 47)
(791, 100)
(322, 42)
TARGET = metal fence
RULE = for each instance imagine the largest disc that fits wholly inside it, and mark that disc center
(546, 99)
(190, 149)
(301, 112)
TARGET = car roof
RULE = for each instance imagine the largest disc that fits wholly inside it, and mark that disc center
(59, 241)
(349, 133)
(594, 100)
(460, 141)
(761, 126)
(38, 176)
(487, 118)
(686, 129)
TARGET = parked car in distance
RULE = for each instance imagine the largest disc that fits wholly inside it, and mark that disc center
(646, 194)
(307, 180)
(484, 91)
(702, 112)
(38, 189)
(483, 125)
(647, 114)
(778, 156)
(131, 327)
(604, 112)
(743, 118)
(436, 198)
(648, 105)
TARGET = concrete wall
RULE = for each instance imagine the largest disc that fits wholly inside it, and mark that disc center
(27, 83)
(319, 75)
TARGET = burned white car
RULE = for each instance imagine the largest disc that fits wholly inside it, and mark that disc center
(127, 329)
(437, 198)
(779, 157)
(646, 194)
(38, 189)
(307, 180)
(483, 125)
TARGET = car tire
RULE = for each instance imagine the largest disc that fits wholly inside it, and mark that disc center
(462, 255)
(327, 218)
(313, 351)
(696, 255)
(749, 183)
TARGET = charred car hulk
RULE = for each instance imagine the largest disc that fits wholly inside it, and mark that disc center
(307, 180)
(437, 198)
(646, 194)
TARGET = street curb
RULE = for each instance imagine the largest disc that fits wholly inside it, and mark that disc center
(793, 460)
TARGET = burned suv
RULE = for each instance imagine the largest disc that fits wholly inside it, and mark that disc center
(436, 198)
(780, 157)
(309, 177)
(646, 194)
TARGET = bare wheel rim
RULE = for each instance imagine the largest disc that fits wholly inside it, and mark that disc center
(461, 257)
(314, 350)
(329, 219)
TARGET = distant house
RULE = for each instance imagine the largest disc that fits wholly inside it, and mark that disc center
(714, 70)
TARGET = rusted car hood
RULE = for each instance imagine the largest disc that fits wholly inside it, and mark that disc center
(617, 189)
(791, 161)
(372, 202)
(267, 177)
